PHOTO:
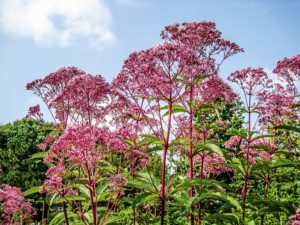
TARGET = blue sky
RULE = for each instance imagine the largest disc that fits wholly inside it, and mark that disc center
(40, 36)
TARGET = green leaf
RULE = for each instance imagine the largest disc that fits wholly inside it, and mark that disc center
(214, 148)
(249, 222)
(32, 190)
(284, 163)
(220, 196)
(263, 136)
(175, 109)
(237, 164)
(230, 217)
(59, 218)
(39, 155)
(198, 182)
(289, 127)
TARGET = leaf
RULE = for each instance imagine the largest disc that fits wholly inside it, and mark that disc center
(220, 196)
(237, 164)
(288, 127)
(231, 217)
(284, 163)
(101, 191)
(180, 141)
(59, 218)
(139, 199)
(155, 148)
(214, 148)
(198, 182)
(32, 190)
(39, 155)
(76, 198)
(200, 78)
(141, 185)
(52, 200)
(263, 136)
(175, 109)
(249, 222)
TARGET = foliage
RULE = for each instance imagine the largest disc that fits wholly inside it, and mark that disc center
(19, 142)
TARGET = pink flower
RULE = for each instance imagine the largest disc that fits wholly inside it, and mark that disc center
(276, 106)
(138, 159)
(233, 143)
(251, 80)
(81, 147)
(295, 219)
(212, 165)
(214, 88)
(42, 146)
(13, 203)
(117, 182)
(288, 69)
(34, 112)
(203, 37)
(75, 96)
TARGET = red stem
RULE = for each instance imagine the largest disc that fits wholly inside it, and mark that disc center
(163, 169)
(65, 213)
(265, 197)
(247, 175)
(191, 170)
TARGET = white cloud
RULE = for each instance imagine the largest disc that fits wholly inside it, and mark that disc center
(57, 22)
(127, 2)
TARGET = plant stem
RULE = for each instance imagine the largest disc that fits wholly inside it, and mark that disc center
(163, 169)
(191, 169)
(94, 209)
(247, 175)
(65, 213)
(265, 197)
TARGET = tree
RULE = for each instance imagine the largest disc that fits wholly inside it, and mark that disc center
(18, 142)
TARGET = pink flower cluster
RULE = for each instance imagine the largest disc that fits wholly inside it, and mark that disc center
(117, 182)
(257, 148)
(203, 37)
(138, 159)
(82, 147)
(13, 205)
(74, 95)
(288, 69)
(234, 142)
(54, 181)
(276, 105)
(214, 88)
(34, 112)
(264, 147)
(155, 72)
(251, 80)
(212, 165)
(295, 219)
